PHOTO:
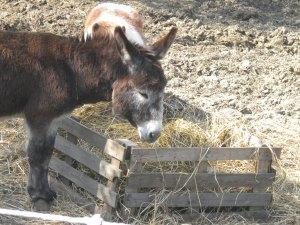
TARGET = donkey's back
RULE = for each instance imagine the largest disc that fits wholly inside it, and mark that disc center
(35, 44)
(27, 62)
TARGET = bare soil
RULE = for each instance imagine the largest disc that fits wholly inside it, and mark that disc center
(235, 59)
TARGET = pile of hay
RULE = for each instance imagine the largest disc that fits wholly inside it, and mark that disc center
(182, 128)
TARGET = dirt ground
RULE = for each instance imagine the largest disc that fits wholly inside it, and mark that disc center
(236, 59)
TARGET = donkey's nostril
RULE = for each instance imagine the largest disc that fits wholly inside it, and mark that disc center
(151, 135)
(154, 135)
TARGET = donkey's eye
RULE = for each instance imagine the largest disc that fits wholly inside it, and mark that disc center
(144, 95)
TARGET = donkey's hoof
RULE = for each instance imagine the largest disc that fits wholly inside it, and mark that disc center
(41, 205)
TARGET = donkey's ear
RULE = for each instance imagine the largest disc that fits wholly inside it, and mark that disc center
(129, 53)
(161, 46)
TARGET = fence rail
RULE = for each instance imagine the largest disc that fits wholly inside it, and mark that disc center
(199, 199)
(204, 154)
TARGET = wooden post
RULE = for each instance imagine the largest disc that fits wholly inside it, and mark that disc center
(132, 167)
(107, 210)
(263, 165)
(202, 168)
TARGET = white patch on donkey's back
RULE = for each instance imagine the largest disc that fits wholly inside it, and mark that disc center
(109, 18)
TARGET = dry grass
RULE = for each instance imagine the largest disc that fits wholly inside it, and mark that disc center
(182, 128)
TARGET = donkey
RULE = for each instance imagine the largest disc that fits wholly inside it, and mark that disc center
(103, 19)
(44, 76)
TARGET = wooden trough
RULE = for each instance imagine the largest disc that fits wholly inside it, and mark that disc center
(191, 193)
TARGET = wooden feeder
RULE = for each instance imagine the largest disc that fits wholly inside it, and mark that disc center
(192, 193)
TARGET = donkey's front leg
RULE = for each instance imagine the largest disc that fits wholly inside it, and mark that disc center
(39, 150)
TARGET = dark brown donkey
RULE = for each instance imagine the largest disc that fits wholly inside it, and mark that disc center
(44, 76)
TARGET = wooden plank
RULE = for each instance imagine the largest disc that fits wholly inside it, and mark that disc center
(258, 216)
(207, 181)
(82, 132)
(200, 199)
(90, 160)
(95, 188)
(194, 154)
(62, 189)
(115, 150)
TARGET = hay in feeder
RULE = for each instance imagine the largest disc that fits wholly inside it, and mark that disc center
(180, 130)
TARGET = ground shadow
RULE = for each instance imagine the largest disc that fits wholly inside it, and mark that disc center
(175, 107)
(275, 13)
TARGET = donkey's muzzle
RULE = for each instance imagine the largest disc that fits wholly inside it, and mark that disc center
(150, 131)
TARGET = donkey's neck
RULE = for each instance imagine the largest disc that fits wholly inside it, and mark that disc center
(96, 65)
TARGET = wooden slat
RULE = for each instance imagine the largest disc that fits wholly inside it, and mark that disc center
(95, 188)
(208, 181)
(81, 131)
(194, 154)
(263, 165)
(258, 216)
(107, 210)
(201, 199)
(89, 160)
(114, 149)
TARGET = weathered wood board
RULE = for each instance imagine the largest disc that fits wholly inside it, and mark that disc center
(199, 154)
(200, 199)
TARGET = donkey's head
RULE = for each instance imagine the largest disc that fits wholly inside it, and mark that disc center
(138, 96)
